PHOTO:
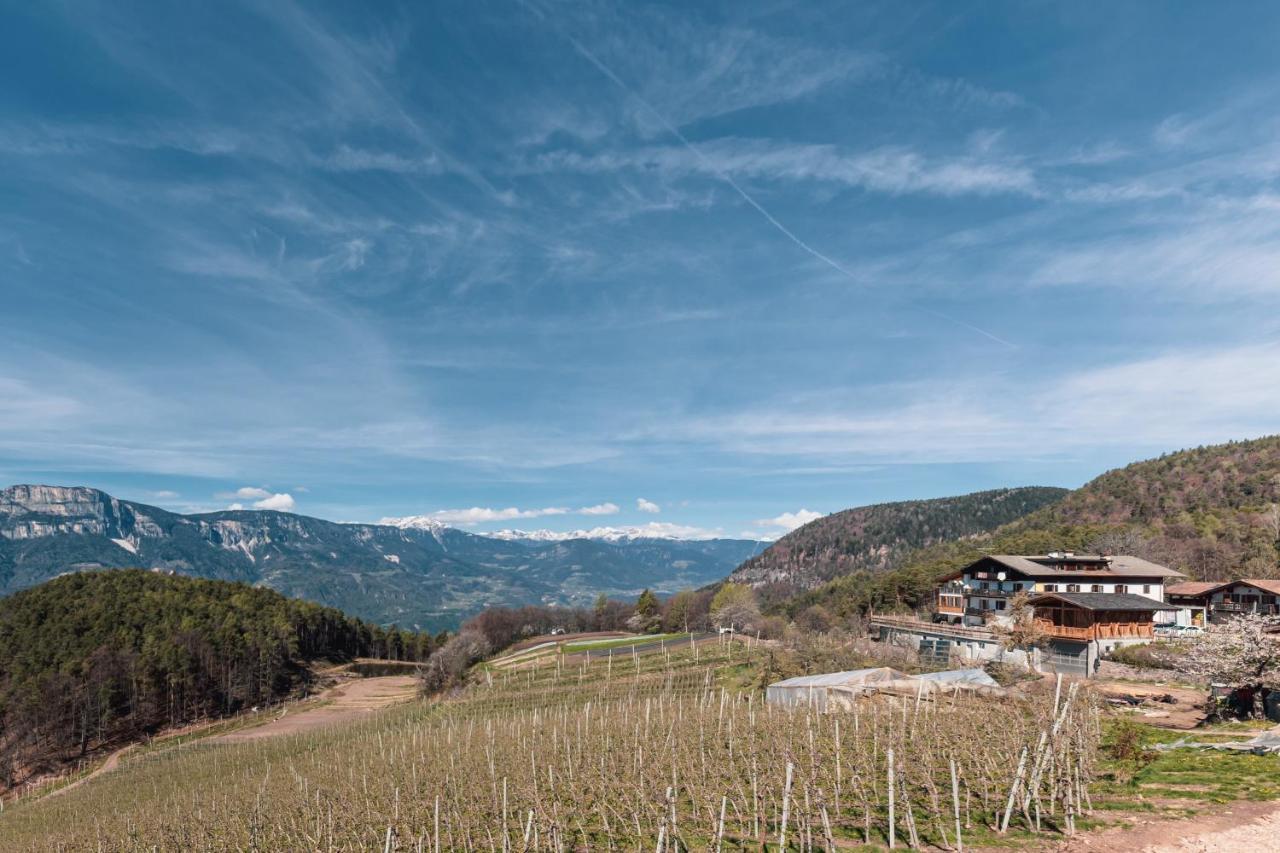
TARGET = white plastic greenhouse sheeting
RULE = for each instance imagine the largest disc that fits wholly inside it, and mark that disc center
(815, 690)
(835, 690)
(960, 676)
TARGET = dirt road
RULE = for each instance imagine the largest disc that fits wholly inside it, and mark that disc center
(342, 703)
(1241, 827)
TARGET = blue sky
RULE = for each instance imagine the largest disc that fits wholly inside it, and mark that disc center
(510, 262)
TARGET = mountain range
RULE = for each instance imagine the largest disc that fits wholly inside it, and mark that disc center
(424, 576)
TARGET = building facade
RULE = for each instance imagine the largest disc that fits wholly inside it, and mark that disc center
(1219, 601)
(980, 592)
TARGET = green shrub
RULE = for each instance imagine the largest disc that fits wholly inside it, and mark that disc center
(1146, 655)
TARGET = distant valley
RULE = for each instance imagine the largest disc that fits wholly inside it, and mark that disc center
(423, 576)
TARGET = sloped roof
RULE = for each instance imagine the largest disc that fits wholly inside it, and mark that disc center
(1104, 600)
(1271, 585)
(1192, 587)
(1120, 564)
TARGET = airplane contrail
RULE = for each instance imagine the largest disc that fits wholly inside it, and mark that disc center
(724, 176)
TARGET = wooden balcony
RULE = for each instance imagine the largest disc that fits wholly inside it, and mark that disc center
(1065, 632)
(1245, 607)
(1098, 631)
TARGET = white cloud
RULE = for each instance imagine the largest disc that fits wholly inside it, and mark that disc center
(349, 159)
(1232, 254)
(647, 506)
(652, 530)
(281, 502)
(789, 521)
(247, 493)
(890, 170)
(478, 514)
(481, 514)
(261, 498)
(1168, 401)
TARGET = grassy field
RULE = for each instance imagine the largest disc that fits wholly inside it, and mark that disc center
(1181, 782)
(622, 642)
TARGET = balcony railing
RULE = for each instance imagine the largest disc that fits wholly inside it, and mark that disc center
(1099, 630)
(1066, 632)
(1250, 607)
(992, 593)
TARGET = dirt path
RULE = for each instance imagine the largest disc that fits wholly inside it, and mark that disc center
(343, 703)
(1241, 827)
(112, 762)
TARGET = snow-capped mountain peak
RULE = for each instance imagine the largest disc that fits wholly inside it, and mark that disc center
(415, 522)
(652, 530)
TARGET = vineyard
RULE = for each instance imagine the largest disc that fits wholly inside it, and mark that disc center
(670, 750)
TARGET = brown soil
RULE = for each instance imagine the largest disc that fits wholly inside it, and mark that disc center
(343, 703)
(1186, 712)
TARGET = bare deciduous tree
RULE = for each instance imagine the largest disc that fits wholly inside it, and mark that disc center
(1021, 630)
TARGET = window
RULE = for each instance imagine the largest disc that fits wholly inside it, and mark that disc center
(1000, 605)
(1073, 587)
(1051, 587)
(1121, 588)
(1097, 587)
(1017, 587)
(986, 604)
(1146, 589)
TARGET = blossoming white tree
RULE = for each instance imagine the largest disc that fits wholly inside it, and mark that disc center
(1238, 652)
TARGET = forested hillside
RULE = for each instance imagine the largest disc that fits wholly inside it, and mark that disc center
(876, 538)
(98, 657)
(1211, 512)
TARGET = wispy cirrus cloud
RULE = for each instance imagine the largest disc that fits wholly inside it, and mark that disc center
(1178, 398)
(889, 170)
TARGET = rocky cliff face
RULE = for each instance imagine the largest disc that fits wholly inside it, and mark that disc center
(426, 578)
(30, 512)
